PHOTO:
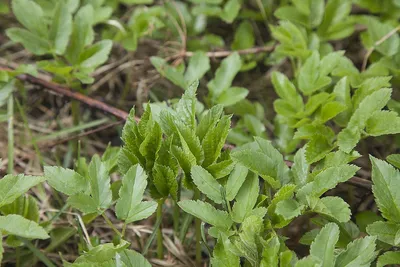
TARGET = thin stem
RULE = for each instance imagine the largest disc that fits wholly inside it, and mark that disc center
(37, 253)
(123, 229)
(197, 223)
(10, 146)
(109, 222)
(160, 247)
(175, 218)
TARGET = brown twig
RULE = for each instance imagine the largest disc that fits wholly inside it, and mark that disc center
(65, 91)
(377, 43)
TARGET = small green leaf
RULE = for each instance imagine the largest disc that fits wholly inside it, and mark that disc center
(387, 232)
(95, 55)
(199, 64)
(30, 14)
(383, 122)
(246, 198)
(323, 246)
(394, 159)
(11, 187)
(32, 42)
(360, 252)
(17, 225)
(206, 213)
(66, 181)
(334, 207)
(61, 27)
(207, 184)
(289, 208)
(132, 258)
(168, 72)
(235, 181)
(389, 257)
(222, 256)
(300, 168)
(232, 95)
(244, 36)
(102, 253)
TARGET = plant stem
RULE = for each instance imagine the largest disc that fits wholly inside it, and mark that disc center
(175, 218)
(160, 248)
(197, 223)
(75, 110)
(10, 146)
(111, 224)
(37, 253)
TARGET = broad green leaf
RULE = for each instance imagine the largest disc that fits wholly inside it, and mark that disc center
(222, 256)
(318, 147)
(394, 159)
(186, 107)
(232, 95)
(142, 211)
(17, 225)
(389, 257)
(214, 140)
(207, 184)
(132, 258)
(66, 181)
(244, 36)
(199, 64)
(377, 30)
(221, 169)
(102, 253)
(61, 28)
(11, 187)
(289, 208)
(385, 180)
(293, 14)
(131, 193)
(286, 90)
(235, 181)
(168, 72)
(334, 207)
(270, 254)
(35, 44)
(246, 198)
(30, 14)
(383, 122)
(82, 33)
(373, 102)
(95, 55)
(206, 213)
(224, 75)
(300, 168)
(231, 10)
(387, 232)
(26, 206)
(330, 110)
(84, 203)
(100, 183)
(327, 179)
(360, 252)
(323, 245)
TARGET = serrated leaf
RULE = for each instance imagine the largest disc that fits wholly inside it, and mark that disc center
(289, 208)
(142, 211)
(102, 253)
(206, 213)
(387, 232)
(95, 55)
(165, 181)
(318, 147)
(132, 258)
(246, 198)
(383, 122)
(270, 254)
(66, 181)
(309, 79)
(286, 90)
(11, 187)
(100, 183)
(377, 30)
(324, 243)
(334, 207)
(300, 168)
(330, 110)
(385, 181)
(222, 256)
(224, 75)
(360, 252)
(235, 181)
(389, 257)
(336, 12)
(61, 27)
(17, 225)
(208, 121)
(199, 64)
(207, 184)
(394, 159)
(168, 72)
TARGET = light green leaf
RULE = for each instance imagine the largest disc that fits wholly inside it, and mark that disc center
(246, 198)
(244, 36)
(334, 207)
(232, 95)
(224, 75)
(270, 254)
(165, 181)
(386, 180)
(300, 168)
(342, 93)
(61, 27)
(30, 14)
(377, 30)
(387, 232)
(82, 202)
(142, 211)
(289, 208)
(323, 246)
(100, 183)
(336, 11)
(5, 91)
(235, 181)
(286, 90)
(11, 187)
(331, 110)
(199, 64)
(1, 248)
(207, 184)
(206, 213)
(168, 72)
(17, 225)
(95, 55)
(231, 10)
(32, 42)
(222, 256)
(389, 257)
(394, 159)
(66, 181)
(132, 258)
(383, 122)
(359, 253)
(102, 253)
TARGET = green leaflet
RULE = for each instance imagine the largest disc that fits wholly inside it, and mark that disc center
(222, 256)
(387, 232)
(324, 244)
(102, 253)
(66, 181)
(289, 208)
(206, 213)
(360, 252)
(207, 184)
(61, 27)
(246, 198)
(132, 258)
(390, 257)
(386, 179)
(129, 206)
(235, 181)
(334, 207)
(17, 225)
(11, 187)
(383, 122)
(31, 16)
